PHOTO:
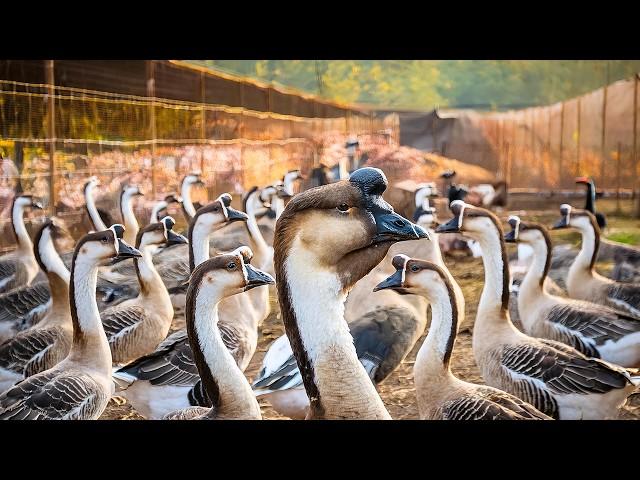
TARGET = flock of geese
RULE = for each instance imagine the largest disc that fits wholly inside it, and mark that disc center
(354, 282)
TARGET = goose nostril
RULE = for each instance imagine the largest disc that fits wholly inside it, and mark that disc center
(399, 223)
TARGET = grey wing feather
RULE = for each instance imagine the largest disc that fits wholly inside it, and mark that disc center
(120, 325)
(34, 351)
(53, 395)
(489, 404)
(13, 270)
(19, 304)
(627, 293)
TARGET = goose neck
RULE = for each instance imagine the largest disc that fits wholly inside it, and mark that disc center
(129, 219)
(20, 230)
(187, 203)
(261, 246)
(586, 258)
(155, 211)
(494, 301)
(198, 244)
(148, 277)
(533, 282)
(98, 224)
(312, 300)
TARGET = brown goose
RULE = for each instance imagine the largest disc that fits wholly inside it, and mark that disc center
(555, 378)
(583, 281)
(440, 395)
(79, 387)
(211, 281)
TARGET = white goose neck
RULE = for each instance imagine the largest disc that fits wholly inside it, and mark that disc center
(58, 274)
(187, 204)
(155, 211)
(279, 206)
(129, 218)
(532, 282)
(148, 276)
(262, 249)
(25, 245)
(587, 251)
(200, 243)
(490, 304)
(98, 224)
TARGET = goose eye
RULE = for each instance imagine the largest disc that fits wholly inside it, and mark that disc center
(231, 266)
(343, 207)
(415, 268)
(104, 239)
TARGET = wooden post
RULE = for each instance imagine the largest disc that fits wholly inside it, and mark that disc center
(151, 93)
(603, 154)
(618, 162)
(578, 140)
(51, 133)
(636, 80)
(203, 126)
(561, 144)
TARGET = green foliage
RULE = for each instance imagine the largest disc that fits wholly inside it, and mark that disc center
(422, 84)
(631, 238)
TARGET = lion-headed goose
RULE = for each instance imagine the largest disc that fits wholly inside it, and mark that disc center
(555, 378)
(583, 282)
(79, 387)
(46, 343)
(211, 281)
(136, 326)
(440, 395)
(19, 267)
(595, 330)
(327, 239)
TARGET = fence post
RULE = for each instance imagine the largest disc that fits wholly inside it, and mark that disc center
(618, 161)
(636, 80)
(151, 93)
(561, 144)
(604, 136)
(51, 133)
(203, 126)
(578, 139)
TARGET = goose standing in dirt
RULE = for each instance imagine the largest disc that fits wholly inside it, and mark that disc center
(136, 326)
(556, 379)
(225, 384)
(19, 267)
(440, 395)
(79, 387)
(45, 344)
(583, 282)
(326, 240)
(595, 330)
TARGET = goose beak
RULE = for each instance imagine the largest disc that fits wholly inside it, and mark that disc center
(235, 215)
(391, 226)
(450, 227)
(257, 278)
(582, 180)
(562, 223)
(37, 205)
(174, 238)
(127, 251)
(138, 194)
(510, 237)
(394, 282)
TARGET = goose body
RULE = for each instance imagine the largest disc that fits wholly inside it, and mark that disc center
(19, 267)
(224, 382)
(583, 282)
(593, 329)
(440, 395)
(45, 344)
(136, 326)
(23, 307)
(555, 378)
(79, 387)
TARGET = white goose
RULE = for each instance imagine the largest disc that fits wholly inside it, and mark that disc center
(440, 395)
(162, 205)
(19, 267)
(555, 378)
(45, 344)
(127, 194)
(593, 329)
(327, 239)
(211, 281)
(583, 281)
(79, 387)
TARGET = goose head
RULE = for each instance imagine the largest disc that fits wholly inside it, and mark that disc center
(218, 213)
(529, 233)
(193, 178)
(583, 220)
(415, 276)
(26, 200)
(47, 235)
(162, 205)
(227, 274)
(130, 192)
(91, 183)
(345, 227)
(288, 179)
(469, 220)
(101, 247)
(159, 233)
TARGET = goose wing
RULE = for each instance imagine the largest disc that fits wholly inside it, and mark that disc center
(9, 274)
(25, 303)
(279, 369)
(122, 325)
(490, 404)
(33, 351)
(54, 395)
(625, 296)
(170, 364)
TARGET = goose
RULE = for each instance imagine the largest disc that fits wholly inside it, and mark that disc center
(127, 195)
(583, 282)
(19, 267)
(162, 205)
(188, 207)
(384, 328)
(591, 200)
(555, 378)
(440, 395)
(263, 252)
(327, 239)
(211, 281)
(164, 380)
(99, 218)
(136, 326)
(45, 344)
(595, 330)
(79, 387)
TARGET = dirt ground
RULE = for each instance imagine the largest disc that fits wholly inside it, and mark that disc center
(397, 391)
